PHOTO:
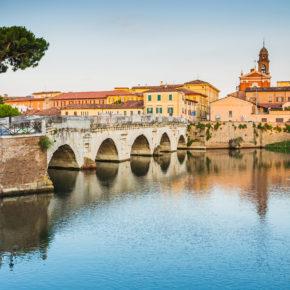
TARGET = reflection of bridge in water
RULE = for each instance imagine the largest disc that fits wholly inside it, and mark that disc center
(28, 224)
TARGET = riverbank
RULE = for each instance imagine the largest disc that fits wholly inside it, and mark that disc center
(283, 147)
(227, 135)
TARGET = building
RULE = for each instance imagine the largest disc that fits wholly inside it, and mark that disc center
(231, 109)
(204, 88)
(271, 97)
(283, 84)
(167, 101)
(128, 108)
(237, 110)
(24, 104)
(122, 96)
(204, 94)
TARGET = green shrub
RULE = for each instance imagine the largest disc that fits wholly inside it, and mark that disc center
(45, 143)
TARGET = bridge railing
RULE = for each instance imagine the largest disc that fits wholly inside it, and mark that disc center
(12, 127)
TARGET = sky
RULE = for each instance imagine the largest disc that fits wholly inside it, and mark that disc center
(99, 45)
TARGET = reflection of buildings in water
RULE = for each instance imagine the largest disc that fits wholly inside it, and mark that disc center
(249, 170)
(24, 226)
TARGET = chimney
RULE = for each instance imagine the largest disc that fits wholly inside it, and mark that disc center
(161, 83)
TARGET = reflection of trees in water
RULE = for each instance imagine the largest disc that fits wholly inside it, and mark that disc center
(24, 226)
(235, 154)
(140, 166)
(163, 161)
(63, 181)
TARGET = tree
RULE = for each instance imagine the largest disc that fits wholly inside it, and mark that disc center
(8, 111)
(19, 48)
(1, 100)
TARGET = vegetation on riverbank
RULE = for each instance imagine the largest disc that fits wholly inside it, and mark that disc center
(279, 147)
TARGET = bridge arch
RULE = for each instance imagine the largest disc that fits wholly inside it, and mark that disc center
(141, 146)
(165, 144)
(63, 157)
(108, 151)
(181, 142)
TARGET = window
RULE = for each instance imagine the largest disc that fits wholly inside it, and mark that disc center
(288, 99)
(125, 113)
(264, 120)
(131, 113)
(170, 111)
(280, 99)
(158, 110)
(139, 112)
(279, 120)
(66, 113)
(230, 114)
(270, 100)
(149, 110)
(182, 110)
(263, 68)
(149, 98)
(158, 97)
(170, 98)
(75, 113)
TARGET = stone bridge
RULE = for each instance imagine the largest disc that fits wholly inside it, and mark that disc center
(79, 142)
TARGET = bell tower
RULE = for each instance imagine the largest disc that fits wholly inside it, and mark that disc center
(264, 60)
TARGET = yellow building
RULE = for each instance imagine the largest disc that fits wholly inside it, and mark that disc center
(283, 84)
(169, 102)
(204, 94)
(204, 88)
(120, 95)
(126, 109)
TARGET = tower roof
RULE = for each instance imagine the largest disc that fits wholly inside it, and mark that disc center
(264, 50)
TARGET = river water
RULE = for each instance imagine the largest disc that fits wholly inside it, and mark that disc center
(214, 220)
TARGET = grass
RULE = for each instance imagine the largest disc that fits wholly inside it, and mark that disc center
(279, 147)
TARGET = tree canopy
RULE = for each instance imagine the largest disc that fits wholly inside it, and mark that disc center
(19, 48)
(1, 100)
(8, 111)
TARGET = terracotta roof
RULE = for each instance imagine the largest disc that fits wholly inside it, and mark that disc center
(23, 99)
(156, 87)
(190, 92)
(126, 105)
(196, 82)
(267, 105)
(52, 92)
(269, 89)
(161, 89)
(46, 112)
(90, 95)
(221, 99)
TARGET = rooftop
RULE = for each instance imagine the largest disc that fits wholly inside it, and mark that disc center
(91, 95)
(126, 105)
(269, 89)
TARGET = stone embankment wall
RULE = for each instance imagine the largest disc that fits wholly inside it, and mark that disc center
(218, 134)
(23, 166)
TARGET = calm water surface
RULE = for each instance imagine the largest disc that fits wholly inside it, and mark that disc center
(215, 220)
